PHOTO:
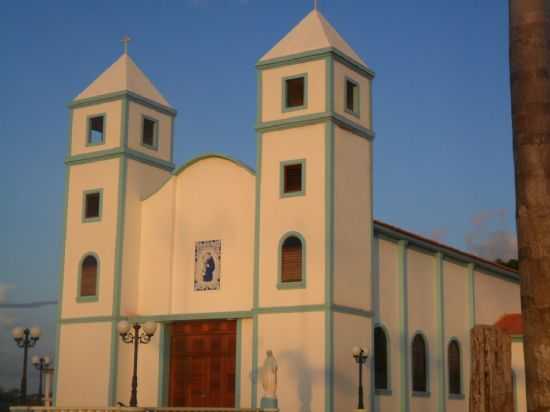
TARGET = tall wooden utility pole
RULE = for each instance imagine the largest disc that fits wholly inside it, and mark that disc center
(530, 86)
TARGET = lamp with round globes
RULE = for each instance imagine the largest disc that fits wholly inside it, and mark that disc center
(25, 338)
(41, 363)
(360, 355)
(136, 337)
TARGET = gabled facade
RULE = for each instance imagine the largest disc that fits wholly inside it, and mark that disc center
(233, 262)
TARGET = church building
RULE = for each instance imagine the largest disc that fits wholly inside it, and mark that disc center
(232, 262)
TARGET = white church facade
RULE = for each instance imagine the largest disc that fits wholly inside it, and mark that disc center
(233, 262)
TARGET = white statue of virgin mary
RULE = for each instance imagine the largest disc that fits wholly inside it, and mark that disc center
(269, 377)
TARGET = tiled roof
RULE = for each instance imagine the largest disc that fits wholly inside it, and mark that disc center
(511, 323)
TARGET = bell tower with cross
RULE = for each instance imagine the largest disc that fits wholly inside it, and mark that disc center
(120, 150)
(314, 126)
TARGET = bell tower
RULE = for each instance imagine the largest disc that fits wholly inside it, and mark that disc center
(120, 150)
(315, 136)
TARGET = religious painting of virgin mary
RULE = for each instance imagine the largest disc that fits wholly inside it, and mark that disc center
(207, 264)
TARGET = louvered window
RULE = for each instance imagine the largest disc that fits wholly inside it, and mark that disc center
(96, 130)
(291, 260)
(454, 368)
(293, 178)
(419, 364)
(295, 92)
(149, 136)
(380, 358)
(92, 206)
(352, 97)
(88, 277)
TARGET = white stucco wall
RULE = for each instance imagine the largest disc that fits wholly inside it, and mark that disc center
(457, 325)
(297, 342)
(421, 289)
(84, 365)
(518, 367)
(352, 219)
(386, 303)
(98, 237)
(79, 129)
(141, 181)
(341, 72)
(494, 298)
(212, 199)
(272, 90)
(302, 214)
(136, 112)
(349, 331)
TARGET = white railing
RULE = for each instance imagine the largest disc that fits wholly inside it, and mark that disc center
(127, 409)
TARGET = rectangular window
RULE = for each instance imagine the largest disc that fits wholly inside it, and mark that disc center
(92, 205)
(293, 178)
(149, 133)
(295, 92)
(96, 130)
(352, 97)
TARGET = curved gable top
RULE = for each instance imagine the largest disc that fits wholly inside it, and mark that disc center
(314, 32)
(178, 171)
(123, 75)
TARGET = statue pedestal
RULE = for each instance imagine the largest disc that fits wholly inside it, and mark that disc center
(269, 403)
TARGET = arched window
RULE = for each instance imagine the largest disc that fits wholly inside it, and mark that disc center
(292, 260)
(419, 364)
(88, 277)
(453, 358)
(380, 359)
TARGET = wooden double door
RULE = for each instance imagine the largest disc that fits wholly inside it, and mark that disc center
(202, 363)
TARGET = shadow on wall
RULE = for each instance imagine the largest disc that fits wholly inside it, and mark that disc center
(300, 371)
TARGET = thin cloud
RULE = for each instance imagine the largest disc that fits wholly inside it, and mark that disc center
(489, 238)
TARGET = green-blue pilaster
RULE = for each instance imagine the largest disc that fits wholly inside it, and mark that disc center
(403, 325)
(440, 331)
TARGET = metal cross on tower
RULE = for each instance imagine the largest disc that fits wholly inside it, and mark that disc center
(125, 40)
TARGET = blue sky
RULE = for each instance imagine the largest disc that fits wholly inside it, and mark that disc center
(443, 151)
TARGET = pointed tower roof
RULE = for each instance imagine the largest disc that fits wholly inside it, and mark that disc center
(123, 75)
(314, 32)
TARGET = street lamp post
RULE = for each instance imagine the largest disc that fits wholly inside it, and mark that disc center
(136, 337)
(25, 338)
(41, 364)
(361, 357)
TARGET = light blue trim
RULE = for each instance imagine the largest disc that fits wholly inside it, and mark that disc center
(86, 319)
(128, 95)
(388, 389)
(317, 55)
(88, 141)
(119, 251)
(256, 290)
(238, 364)
(204, 156)
(62, 267)
(290, 309)
(91, 298)
(461, 370)
(164, 349)
(283, 164)
(84, 204)
(329, 265)
(194, 316)
(315, 118)
(284, 107)
(517, 338)
(356, 97)
(155, 145)
(291, 285)
(471, 295)
(427, 392)
(329, 102)
(403, 324)
(440, 331)
(101, 155)
(448, 252)
(352, 311)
